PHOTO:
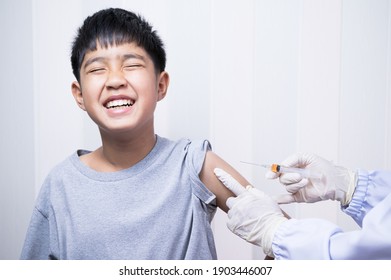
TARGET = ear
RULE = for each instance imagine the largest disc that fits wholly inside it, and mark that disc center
(77, 94)
(163, 82)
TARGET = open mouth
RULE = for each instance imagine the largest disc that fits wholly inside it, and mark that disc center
(119, 103)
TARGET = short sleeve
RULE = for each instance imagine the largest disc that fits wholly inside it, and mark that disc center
(195, 157)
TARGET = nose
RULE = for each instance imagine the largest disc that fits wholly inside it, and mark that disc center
(115, 80)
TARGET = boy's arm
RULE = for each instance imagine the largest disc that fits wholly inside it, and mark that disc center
(210, 180)
(37, 242)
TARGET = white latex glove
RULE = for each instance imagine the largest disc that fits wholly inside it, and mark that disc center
(337, 183)
(253, 215)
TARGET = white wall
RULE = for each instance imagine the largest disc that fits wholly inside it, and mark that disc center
(16, 124)
(261, 79)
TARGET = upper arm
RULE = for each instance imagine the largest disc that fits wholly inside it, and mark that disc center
(210, 180)
(37, 241)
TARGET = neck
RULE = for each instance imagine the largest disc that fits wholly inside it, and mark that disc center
(121, 152)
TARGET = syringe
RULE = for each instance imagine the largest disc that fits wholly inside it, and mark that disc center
(305, 173)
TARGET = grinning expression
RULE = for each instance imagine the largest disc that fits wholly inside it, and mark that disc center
(119, 88)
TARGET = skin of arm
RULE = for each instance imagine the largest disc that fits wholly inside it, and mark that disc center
(210, 180)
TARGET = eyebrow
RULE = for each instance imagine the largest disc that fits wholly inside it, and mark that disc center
(102, 58)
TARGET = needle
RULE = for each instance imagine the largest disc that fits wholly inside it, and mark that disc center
(306, 173)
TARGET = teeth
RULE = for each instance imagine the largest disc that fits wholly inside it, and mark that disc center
(119, 103)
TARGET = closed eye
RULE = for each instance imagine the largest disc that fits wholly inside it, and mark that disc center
(96, 70)
(132, 66)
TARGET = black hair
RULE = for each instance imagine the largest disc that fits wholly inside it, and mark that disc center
(116, 26)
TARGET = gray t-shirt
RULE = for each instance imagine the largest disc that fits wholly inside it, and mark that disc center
(157, 209)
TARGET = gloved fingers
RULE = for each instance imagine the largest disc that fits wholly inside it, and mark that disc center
(291, 161)
(294, 188)
(284, 198)
(271, 175)
(288, 162)
(239, 202)
(290, 178)
(229, 181)
(259, 197)
(300, 160)
(257, 193)
(300, 196)
(230, 202)
(252, 203)
(293, 182)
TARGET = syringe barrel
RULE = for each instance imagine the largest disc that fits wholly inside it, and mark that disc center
(306, 173)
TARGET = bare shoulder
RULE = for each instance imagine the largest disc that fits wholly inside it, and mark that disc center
(208, 177)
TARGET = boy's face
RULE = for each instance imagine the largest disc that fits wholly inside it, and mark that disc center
(119, 88)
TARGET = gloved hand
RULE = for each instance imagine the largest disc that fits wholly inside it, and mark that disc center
(336, 182)
(253, 215)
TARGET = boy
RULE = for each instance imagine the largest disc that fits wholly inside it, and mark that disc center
(138, 196)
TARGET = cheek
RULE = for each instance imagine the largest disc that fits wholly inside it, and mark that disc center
(91, 87)
(138, 78)
(144, 85)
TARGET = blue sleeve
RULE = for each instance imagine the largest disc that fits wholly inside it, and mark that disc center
(372, 187)
(373, 241)
(320, 239)
(306, 239)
